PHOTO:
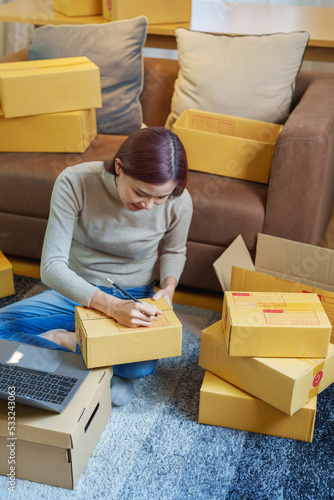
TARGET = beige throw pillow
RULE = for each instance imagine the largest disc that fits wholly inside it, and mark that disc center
(248, 76)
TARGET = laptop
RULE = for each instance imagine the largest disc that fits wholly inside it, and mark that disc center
(39, 377)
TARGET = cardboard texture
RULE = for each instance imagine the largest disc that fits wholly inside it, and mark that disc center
(280, 265)
(78, 7)
(275, 324)
(103, 341)
(70, 132)
(49, 86)
(157, 11)
(6, 277)
(224, 405)
(54, 448)
(285, 383)
(227, 145)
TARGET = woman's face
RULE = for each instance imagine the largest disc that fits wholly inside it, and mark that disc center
(137, 195)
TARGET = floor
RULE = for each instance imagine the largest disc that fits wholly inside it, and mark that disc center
(183, 295)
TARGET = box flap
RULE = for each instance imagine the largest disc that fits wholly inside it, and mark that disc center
(236, 254)
(287, 259)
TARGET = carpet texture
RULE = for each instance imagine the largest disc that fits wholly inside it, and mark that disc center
(154, 449)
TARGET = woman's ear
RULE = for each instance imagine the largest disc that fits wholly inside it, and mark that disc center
(118, 166)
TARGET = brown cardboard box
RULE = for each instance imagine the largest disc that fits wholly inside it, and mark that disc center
(280, 266)
(53, 448)
(49, 86)
(78, 7)
(157, 11)
(224, 405)
(68, 132)
(103, 341)
(285, 383)
(6, 277)
(275, 324)
(227, 145)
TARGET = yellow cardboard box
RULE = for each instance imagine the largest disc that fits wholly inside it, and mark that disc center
(68, 132)
(6, 277)
(157, 11)
(285, 383)
(280, 266)
(103, 341)
(49, 86)
(275, 324)
(227, 145)
(224, 405)
(54, 448)
(78, 7)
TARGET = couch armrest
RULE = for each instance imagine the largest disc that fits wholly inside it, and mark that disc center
(21, 55)
(301, 186)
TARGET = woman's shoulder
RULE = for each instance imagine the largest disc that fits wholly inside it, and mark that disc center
(184, 200)
(82, 169)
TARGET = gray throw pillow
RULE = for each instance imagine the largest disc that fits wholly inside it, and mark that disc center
(116, 48)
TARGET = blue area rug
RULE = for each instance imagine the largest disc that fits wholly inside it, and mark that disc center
(154, 449)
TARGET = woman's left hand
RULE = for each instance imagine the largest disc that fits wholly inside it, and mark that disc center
(166, 291)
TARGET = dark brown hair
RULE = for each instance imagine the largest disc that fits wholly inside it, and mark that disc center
(154, 155)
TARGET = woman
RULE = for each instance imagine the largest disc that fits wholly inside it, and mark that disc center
(108, 220)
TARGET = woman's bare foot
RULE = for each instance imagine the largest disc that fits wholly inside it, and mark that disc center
(61, 337)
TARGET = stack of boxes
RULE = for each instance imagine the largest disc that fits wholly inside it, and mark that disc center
(157, 12)
(73, 8)
(271, 353)
(49, 105)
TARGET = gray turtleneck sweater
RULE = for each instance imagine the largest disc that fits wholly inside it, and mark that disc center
(92, 236)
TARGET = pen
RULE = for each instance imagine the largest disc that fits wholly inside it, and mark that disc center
(125, 292)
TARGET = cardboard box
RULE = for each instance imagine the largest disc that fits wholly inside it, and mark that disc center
(6, 277)
(224, 405)
(227, 145)
(280, 266)
(285, 383)
(157, 11)
(275, 324)
(70, 132)
(53, 448)
(78, 7)
(49, 86)
(103, 341)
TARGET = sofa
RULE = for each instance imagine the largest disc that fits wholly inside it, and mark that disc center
(296, 204)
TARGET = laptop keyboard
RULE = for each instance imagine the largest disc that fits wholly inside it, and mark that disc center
(35, 384)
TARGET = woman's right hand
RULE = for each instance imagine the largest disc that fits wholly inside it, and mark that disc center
(126, 312)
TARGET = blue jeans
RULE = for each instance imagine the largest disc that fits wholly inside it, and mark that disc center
(25, 320)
